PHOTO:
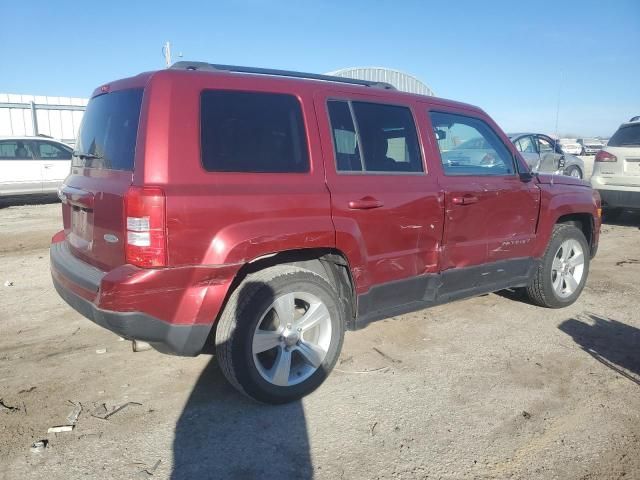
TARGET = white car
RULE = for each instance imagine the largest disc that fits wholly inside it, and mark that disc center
(616, 170)
(571, 146)
(590, 146)
(31, 165)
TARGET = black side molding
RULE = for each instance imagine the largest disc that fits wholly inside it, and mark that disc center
(412, 294)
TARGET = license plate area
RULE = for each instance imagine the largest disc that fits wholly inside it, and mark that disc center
(632, 166)
(81, 235)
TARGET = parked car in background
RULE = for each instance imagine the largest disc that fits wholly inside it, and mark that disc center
(590, 146)
(30, 165)
(571, 146)
(545, 155)
(616, 170)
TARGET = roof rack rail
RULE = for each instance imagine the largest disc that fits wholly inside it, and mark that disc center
(212, 67)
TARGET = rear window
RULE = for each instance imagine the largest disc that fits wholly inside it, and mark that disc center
(107, 138)
(252, 132)
(626, 136)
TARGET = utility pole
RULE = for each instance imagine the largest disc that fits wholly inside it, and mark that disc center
(558, 104)
(166, 51)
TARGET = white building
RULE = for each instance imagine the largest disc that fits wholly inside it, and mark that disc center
(402, 81)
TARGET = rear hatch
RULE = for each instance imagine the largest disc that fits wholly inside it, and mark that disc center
(101, 174)
(624, 145)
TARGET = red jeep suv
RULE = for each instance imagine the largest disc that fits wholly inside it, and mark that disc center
(268, 211)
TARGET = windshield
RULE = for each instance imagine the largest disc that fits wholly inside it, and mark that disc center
(107, 137)
(628, 135)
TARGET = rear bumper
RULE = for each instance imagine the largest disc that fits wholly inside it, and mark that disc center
(177, 339)
(591, 151)
(620, 198)
(173, 309)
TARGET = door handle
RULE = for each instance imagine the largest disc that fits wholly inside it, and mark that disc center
(366, 203)
(465, 200)
(48, 165)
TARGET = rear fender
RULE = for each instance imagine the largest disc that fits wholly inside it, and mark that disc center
(244, 242)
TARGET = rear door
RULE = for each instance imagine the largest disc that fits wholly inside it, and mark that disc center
(55, 162)
(101, 173)
(19, 171)
(490, 213)
(385, 205)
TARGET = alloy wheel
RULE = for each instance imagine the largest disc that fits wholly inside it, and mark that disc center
(567, 268)
(291, 339)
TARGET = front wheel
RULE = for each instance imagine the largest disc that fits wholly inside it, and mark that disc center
(280, 334)
(563, 270)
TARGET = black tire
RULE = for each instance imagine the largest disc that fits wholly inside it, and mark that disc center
(573, 168)
(245, 309)
(540, 290)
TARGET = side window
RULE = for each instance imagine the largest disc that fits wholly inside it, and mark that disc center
(468, 146)
(525, 145)
(388, 136)
(252, 132)
(50, 151)
(382, 138)
(544, 145)
(15, 150)
(345, 139)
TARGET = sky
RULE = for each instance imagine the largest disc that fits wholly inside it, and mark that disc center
(516, 60)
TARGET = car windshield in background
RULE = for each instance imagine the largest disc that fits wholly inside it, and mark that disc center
(626, 136)
(107, 138)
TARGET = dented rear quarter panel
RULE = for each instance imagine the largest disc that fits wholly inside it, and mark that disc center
(222, 218)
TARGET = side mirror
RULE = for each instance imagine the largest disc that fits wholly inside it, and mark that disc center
(440, 134)
(526, 176)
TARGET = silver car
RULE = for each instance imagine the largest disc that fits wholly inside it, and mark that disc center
(545, 155)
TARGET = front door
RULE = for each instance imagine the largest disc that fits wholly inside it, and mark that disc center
(549, 158)
(491, 213)
(385, 205)
(528, 148)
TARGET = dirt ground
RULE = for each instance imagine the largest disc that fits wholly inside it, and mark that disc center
(489, 387)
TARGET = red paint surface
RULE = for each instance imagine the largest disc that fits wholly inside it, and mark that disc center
(217, 222)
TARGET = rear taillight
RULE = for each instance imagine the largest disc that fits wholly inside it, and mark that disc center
(603, 156)
(146, 244)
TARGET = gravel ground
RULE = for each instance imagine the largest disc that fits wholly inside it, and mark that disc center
(483, 388)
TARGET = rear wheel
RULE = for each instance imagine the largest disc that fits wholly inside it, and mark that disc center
(573, 171)
(280, 334)
(563, 270)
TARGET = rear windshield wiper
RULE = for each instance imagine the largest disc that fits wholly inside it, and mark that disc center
(87, 156)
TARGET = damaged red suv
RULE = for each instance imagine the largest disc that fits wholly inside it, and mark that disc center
(265, 212)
